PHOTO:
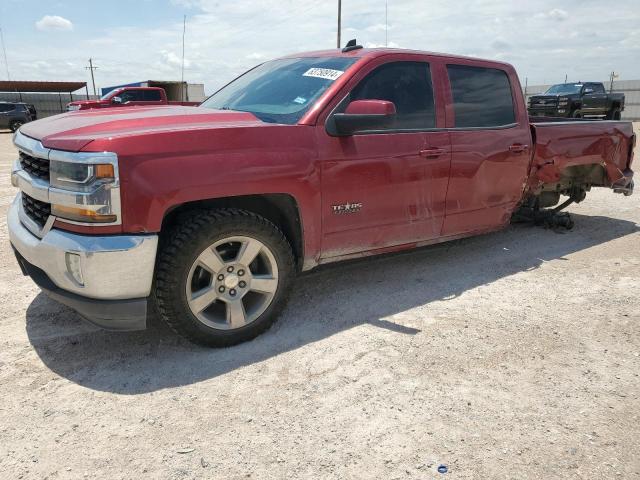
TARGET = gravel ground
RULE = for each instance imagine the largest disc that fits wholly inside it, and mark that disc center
(513, 355)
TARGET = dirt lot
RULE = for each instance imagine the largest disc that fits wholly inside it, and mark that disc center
(514, 355)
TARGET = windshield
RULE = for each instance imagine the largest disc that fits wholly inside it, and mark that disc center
(564, 88)
(108, 94)
(280, 91)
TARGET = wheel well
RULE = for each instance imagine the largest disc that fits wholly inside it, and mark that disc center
(279, 208)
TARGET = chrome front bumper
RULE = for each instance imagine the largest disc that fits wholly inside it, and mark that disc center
(114, 267)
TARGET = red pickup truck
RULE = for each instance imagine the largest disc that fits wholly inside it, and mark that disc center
(210, 212)
(128, 97)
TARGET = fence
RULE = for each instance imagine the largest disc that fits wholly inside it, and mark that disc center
(46, 104)
(630, 88)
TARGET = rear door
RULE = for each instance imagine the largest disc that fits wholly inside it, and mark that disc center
(386, 188)
(594, 102)
(490, 141)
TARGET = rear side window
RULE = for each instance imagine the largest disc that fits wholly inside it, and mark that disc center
(481, 96)
(152, 95)
(5, 107)
(597, 88)
(406, 84)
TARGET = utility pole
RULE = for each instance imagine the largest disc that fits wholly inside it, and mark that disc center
(4, 50)
(93, 80)
(565, 78)
(184, 29)
(339, 21)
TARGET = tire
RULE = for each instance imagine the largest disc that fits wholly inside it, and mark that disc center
(614, 114)
(15, 125)
(577, 113)
(223, 276)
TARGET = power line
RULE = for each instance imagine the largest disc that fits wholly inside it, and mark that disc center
(93, 80)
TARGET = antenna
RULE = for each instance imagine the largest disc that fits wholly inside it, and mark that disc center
(351, 45)
(4, 50)
(184, 29)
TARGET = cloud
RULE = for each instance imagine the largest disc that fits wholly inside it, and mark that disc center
(224, 39)
(556, 14)
(54, 23)
(500, 44)
(173, 59)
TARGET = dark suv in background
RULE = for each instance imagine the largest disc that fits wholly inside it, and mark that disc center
(577, 100)
(13, 115)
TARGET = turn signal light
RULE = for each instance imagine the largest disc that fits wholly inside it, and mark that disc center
(81, 214)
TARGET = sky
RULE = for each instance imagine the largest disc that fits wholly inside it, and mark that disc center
(138, 40)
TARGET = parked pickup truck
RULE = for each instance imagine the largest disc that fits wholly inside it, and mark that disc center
(209, 213)
(128, 97)
(577, 100)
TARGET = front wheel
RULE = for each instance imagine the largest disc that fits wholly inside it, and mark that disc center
(577, 113)
(223, 276)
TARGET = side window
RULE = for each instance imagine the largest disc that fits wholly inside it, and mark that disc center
(132, 96)
(6, 107)
(152, 96)
(406, 84)
(481, 96)
(127, 96)
(597, 88)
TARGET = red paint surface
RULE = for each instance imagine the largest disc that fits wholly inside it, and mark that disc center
(415, 188)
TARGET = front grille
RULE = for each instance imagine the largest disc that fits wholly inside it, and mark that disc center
(544, 103)
(35, 209)
(36, 167)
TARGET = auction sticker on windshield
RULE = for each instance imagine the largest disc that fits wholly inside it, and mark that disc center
(326, 73)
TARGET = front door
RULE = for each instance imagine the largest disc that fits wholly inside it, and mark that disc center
(386, 188)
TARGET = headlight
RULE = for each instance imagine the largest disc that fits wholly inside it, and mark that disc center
(563, 101)
(79, 177)
(84, 187)
(72, 108)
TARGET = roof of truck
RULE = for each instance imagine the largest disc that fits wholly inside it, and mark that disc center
(379, 52)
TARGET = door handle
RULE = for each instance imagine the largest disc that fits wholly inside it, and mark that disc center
(518, 148)
(432, 152)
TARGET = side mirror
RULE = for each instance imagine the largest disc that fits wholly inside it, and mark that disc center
(363, 115)
(116, 100)
(588, 90)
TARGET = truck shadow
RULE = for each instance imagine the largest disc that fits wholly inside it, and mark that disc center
(323, 303)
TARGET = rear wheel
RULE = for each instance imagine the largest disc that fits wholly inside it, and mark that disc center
(15, 125)
(223, 276)
(614, 114)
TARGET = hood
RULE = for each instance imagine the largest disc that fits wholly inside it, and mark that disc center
(74, 130)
